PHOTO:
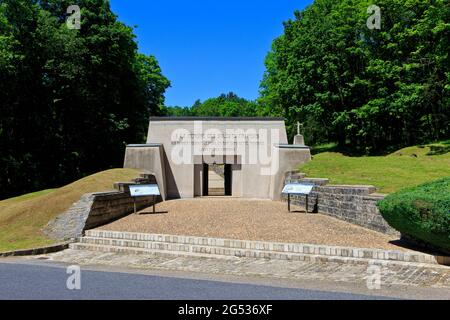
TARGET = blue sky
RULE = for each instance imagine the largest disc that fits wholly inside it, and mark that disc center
(208, 47)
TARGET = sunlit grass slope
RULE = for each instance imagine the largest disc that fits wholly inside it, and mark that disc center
(403, 168)
(21, 218)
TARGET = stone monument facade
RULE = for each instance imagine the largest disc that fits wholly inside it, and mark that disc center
(254, 153)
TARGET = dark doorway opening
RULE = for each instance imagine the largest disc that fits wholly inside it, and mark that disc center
(205, 179)
(217, 180)
(228, 179)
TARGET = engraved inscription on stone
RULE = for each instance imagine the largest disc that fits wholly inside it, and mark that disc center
(213, 141)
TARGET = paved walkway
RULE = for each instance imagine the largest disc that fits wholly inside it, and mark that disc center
(251, 220)
(400, 279)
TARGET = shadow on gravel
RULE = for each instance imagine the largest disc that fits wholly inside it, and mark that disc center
(404, 243)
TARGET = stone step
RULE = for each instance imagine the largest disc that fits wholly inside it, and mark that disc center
(147, 176)
(216, 189)
(131, 250)
(150, 246)
(216, 192)
(295, 175)
(215, 252)
(208, 243)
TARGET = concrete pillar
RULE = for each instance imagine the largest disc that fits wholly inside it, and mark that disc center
(148, 157)
(291, 156)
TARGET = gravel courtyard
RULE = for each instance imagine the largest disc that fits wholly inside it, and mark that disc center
(249, 219)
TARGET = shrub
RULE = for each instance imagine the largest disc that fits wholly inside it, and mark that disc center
(421, 213)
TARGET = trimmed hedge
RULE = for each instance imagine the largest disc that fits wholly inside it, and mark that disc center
(421, 213)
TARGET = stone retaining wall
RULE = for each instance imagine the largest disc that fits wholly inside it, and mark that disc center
(99, 208)
(352, 203)
(110, 206)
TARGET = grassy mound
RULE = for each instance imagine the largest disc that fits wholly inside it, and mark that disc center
(421, 213)
(21, 218)
(403, 168)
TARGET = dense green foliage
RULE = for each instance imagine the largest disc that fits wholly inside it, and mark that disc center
(369, 89)
(70, 99)
(225, 105)
(421, 213)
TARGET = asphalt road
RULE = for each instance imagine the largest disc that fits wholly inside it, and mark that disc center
(47, 281)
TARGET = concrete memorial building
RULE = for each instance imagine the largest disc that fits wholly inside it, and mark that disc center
(239, 157)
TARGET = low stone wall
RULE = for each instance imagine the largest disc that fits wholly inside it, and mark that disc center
(352, 203)
(179, 245)
(99, 208)
(110, 206)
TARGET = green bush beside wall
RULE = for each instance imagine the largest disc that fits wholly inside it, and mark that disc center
(421, 213)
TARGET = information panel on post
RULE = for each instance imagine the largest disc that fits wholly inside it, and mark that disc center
(299, 189)
(142, 190)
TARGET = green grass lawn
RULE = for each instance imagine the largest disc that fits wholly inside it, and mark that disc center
(27, 196)
(403, 168)
(22, 218)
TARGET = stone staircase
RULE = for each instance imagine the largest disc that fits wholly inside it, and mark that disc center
(144, 178)
(173, 245)
(216, 184)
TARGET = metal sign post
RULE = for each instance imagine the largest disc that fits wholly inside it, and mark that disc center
(154, 204)
(142, 190)
(289, 202)
(297, 188)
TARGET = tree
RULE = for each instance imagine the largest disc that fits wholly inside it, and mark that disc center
(72, 98)
(225, 105)
(369, 90)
